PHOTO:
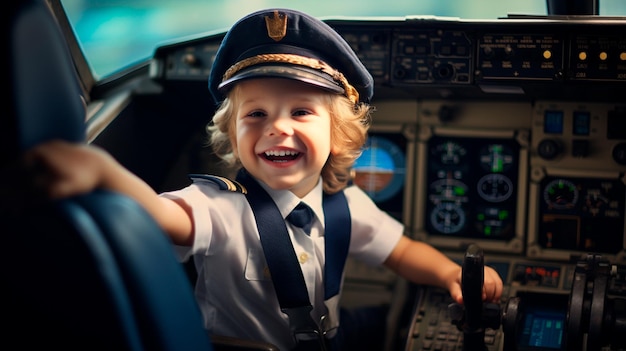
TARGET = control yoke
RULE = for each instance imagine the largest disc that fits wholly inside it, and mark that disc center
(474, 316)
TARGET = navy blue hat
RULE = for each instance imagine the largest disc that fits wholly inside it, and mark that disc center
(286, 43)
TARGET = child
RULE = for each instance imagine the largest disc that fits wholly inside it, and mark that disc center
(293, 114)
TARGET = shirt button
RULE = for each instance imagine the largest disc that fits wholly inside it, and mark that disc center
(303, 257)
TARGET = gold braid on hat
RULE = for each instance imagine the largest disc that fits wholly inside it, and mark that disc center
(316, 64)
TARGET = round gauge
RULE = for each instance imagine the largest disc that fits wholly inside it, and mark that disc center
(495, 187)
(595, 202)
(449, 153)
(447, 218)
(496, 158)
(493, 222)
(448, 190)
(560, 194)
(380, 169)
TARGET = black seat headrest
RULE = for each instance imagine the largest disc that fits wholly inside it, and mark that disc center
(42, 81)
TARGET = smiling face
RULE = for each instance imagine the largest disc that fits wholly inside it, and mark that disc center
(282, 132)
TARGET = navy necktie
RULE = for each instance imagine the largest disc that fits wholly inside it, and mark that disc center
(302, 217)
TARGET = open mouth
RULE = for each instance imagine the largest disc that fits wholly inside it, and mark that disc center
(281, 155)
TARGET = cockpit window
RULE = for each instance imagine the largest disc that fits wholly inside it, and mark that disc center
(117, 34)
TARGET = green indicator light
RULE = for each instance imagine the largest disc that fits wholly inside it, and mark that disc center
(487, 230)
(459, 191)
(503, 214)
(481, 216)
(498, 166)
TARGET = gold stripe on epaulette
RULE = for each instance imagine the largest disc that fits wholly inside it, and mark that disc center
(221, 182)
(241, 187)
(229, 183)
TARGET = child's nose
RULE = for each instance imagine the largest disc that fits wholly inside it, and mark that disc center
(280, 125)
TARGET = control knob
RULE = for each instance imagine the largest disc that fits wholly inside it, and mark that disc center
(549, 149)
(619, 153)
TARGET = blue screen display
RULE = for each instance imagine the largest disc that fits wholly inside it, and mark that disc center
(543, 328)
(581, 123)
(553, 122)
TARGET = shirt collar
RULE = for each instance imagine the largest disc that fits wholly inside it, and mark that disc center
(287, 201)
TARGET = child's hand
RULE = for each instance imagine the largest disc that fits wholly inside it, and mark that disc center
(62, 169)
(492, 286)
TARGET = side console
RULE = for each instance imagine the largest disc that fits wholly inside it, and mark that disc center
(546, 306)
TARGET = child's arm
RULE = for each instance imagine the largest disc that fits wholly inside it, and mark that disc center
(73, 169)
(423, 264)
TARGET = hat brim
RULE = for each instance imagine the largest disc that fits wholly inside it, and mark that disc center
(299, 73)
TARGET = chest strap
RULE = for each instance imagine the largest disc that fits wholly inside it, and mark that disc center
(281, 258)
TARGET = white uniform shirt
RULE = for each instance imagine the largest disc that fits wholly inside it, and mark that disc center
(234, 289)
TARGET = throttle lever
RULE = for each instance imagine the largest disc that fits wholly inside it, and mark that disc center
(469, 317)
(472, 280)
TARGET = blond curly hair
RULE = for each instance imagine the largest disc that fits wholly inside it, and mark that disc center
(349, 126)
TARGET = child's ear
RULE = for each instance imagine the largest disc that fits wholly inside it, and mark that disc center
(233, 143)
(235, 151)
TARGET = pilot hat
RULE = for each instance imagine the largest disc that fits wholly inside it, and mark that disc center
(284, 43)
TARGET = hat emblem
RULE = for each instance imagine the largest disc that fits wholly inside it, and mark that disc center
(276, 26)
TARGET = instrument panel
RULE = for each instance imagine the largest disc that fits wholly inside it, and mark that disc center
(509, 134)
(428, 57)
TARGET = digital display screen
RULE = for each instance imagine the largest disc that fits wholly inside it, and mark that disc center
(553, 122)
(574, 210)
(472, 186)
(543, 323)
(581, 123)
(543, 329)
(616, 125)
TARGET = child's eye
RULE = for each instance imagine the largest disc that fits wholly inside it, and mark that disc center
(301, 113)
(256, 114)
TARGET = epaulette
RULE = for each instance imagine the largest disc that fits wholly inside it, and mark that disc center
(222, 183)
